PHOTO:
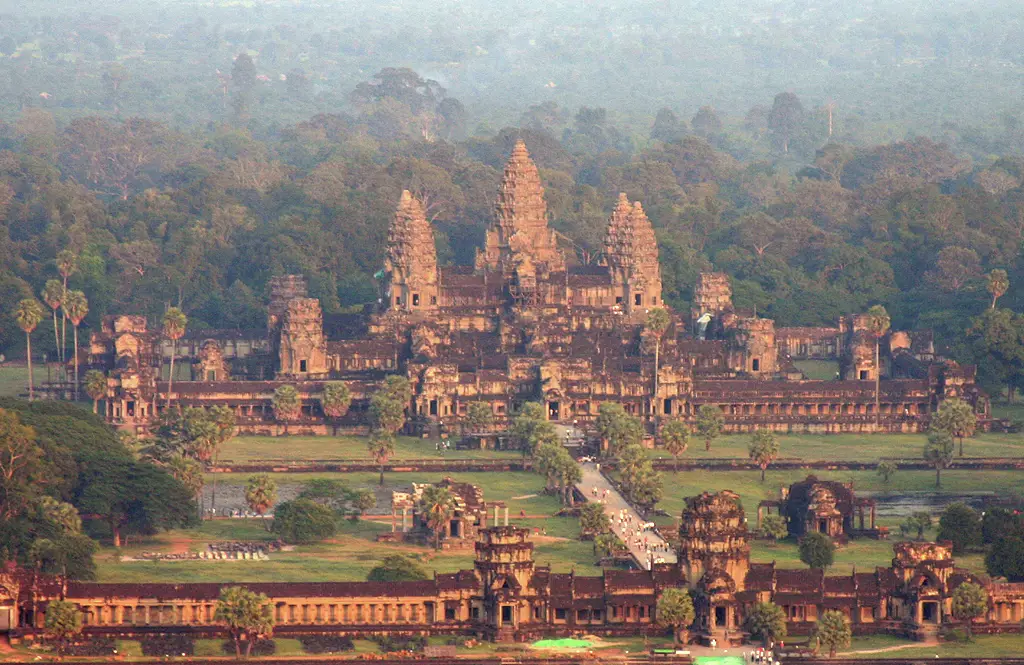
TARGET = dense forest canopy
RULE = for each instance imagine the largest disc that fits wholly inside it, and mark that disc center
(828, 158)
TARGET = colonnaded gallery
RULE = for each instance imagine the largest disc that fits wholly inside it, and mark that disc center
(526, 324)
(507, 596)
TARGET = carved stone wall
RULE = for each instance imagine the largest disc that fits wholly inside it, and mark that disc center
(303, 351)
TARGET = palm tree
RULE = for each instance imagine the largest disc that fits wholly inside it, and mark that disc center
(260, 494)
(67, 264)
(174, 328)
(335, 402)
(53, 295)
(657, 323)
(381, 445)
(28, 315)
(438, 504)
(287, 404)
(998, 283)
(75, 307)
(95, 387)
(878, 324)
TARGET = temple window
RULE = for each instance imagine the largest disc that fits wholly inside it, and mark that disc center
(537, 612)
(398, 301)
(864, 375)
(755, 365)
(559, 614)
(302, 365)
(618, 300)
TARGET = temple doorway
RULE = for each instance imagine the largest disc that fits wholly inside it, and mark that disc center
(553, 411)
(720, 616)
(506, 614)
(929, 612)
(455, 529)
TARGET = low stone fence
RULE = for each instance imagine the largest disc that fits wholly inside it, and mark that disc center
(454, 464)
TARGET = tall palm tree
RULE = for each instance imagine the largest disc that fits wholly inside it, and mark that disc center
(76, 307)
(657, 323)
(53, 295)
(95, 387)
(28, 315)
(67, 264)
(174, 328)
(878, 324)
(998, 283)
(438, 504)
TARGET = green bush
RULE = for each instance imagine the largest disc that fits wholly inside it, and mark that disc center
(303, 521)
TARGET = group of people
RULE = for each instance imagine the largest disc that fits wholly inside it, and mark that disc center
(760, 656)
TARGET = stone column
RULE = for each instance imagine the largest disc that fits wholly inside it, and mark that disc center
(506, 515)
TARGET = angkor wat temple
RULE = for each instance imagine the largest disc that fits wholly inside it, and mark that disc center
(507, 596)
(527, 324)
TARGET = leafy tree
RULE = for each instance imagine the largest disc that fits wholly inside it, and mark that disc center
(706, 123)
(667, 126)
(387, 411)
(640, 482)
(961, 525)
(529, 428)
(886, 470)
(479, 416)
(766, 622)
(970, 602)
(21, 469)
(328, 492)
(999, 523)
(287, 403)
(764, 449)
(28, 315)
(260, 493)
(175, 322)
(335, 401)
(302, 521)
(95, 387)
(997, 283)
(774, 527)
(675, 436)
(397, 568)
(617, 428)
(916, 524)
(67, 265)
(243, 79)
(437, 504)
(1006, 559)
(248, 615)
(938, 452)
(817, 550)
(76, 307)
(593, 520)
(608, 544)
(381, 445)
(956, 417)
(709, 423)
(189, 473)
(995, 341)
(62, 622)
(878, 325)
(833, 631)
(675, 610)
(362, 500)
(785, 119)
(68, 555)
(131, 496)
(224, 422)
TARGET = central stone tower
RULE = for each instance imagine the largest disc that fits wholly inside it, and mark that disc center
(520, 241)
(631, 251)
(411, 260)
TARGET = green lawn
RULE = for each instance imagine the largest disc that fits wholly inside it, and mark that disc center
(299, 448)
(351, 555)
(983, 646)
(852, 447)
(818, 370)
(14, 380)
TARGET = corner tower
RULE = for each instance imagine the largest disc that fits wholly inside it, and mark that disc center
(520, 233)
(631, 251)
(411, 260)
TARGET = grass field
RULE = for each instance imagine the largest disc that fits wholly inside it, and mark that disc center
(14, 380)
(297, 448)
(818, 370)
(852, 447)
(983, 646)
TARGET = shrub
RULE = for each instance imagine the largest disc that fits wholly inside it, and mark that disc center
(303, 521)
(318, 644)
(391, 643)
(259, 648)
(93, 647)
(168, 645)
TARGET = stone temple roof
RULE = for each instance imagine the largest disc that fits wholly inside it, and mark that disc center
(411, 248)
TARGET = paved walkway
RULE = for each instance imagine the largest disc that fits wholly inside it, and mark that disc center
(613, 505)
